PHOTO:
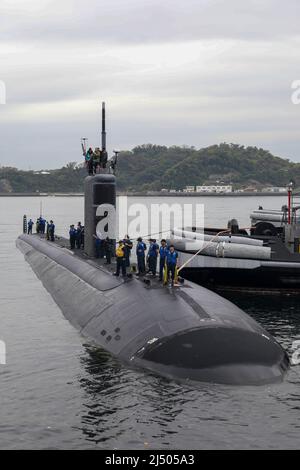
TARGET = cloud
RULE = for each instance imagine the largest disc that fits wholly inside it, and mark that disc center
(172, 72)
(136, 21)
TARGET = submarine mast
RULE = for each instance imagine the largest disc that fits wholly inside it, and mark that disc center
(103, 133)
(99, 201)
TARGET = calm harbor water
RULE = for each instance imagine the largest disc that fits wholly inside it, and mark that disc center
(59, 391)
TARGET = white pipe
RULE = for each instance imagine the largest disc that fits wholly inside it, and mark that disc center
(221, 238)
(223, 249)
(270, 216)
(279, 217)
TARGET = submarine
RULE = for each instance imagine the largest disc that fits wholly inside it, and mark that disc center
(184, 333)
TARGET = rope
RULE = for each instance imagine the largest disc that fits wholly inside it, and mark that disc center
(157, 233)
(205, 246)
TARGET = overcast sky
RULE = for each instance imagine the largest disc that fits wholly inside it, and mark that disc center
(184, 72)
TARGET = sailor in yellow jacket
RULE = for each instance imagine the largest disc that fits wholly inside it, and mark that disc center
(121, 259)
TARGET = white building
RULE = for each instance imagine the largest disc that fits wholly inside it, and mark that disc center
(214, 189)
(275, 189)
(189, 189)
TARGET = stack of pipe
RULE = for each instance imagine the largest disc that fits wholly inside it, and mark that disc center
(220, 246)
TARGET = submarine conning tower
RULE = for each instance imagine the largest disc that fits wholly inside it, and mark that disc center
(99, 206)
(99, 201)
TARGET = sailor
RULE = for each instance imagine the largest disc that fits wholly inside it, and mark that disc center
(172, 257)
(79, 236)
(72, 233)
(51, 231)
(121, 260)
(89, 160)
(128, 247)
(108, 250)
(47, 230)
(42, 225)
(96, 160)
(140, 254)
(163, 251)
(152, 256)
(30, 225)
(103, 159)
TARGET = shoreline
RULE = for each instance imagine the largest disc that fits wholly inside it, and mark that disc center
(152, 194)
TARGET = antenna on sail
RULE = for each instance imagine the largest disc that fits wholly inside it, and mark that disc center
(103, 134)
(104, 156)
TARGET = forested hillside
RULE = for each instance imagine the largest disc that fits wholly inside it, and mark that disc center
(153, 167)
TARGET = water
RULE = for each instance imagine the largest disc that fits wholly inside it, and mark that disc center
(59, 391)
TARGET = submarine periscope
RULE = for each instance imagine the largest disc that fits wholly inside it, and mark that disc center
(184, 333)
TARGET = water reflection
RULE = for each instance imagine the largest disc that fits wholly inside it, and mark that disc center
(119, 400)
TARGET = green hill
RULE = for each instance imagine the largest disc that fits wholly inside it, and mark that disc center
(153, 167)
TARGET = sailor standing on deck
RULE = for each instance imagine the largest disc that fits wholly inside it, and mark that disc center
(47, 230)
(128, 247)
(121, 260)
(152, 256)
(163, 251)
(42, 225)
(79, 235)
(172, 257)
(30, 225)
(51, 231)
(72, 234)
(140, 254)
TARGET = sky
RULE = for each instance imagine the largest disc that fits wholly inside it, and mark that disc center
(192, 72)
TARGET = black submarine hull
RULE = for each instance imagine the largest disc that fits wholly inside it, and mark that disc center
(188, 333)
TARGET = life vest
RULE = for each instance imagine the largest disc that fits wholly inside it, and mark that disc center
(163, 251)
(153, 250)
(140, 249)
(172, 257)
(120, 251)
